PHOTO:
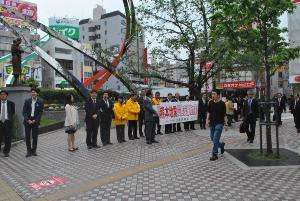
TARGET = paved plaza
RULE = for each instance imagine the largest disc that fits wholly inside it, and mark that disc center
(178, 168)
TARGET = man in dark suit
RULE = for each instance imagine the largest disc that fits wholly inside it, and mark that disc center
(168, 127)
(292, 106)
(280, 105)
(250, 113)
(202, 111)
(150, 113)
(141, 100)
(106, 116)
(177, 127)
(6, 122)
(92, 120)
(32, 112)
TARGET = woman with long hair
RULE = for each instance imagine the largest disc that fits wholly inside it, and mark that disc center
(71, 121)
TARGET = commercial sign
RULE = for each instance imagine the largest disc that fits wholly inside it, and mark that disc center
(66, 26)
(237, 85)
(176, 112)
(8, 68)
(27, 8)
(47, 183)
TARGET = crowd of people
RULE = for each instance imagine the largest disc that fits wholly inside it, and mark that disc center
(141, 118)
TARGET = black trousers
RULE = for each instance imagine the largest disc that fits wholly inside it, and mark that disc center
(92, 127)
(156, 119)
(150, 131)
(132, 129)
(202, 120)
(6, 135)
(189, 125)
(141, 122)
(31, 130)
(250, 123)
(120, 133)
(176, 127)
(168, 128)
(105, 131)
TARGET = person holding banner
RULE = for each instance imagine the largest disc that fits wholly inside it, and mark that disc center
(168, 127)
(150, 113)
(216, 120)
(177, 127)
(156, 101)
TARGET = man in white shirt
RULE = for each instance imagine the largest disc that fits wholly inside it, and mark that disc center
(32, 112)
(6, 122)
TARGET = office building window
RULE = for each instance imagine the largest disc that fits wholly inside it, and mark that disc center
(83, 37)
(67, 64)
(83, 29)
(91, 38)
(105, 23)
(105, 32)
(98, 36)
(88, 74)
(98, 27)
(91, 29)
(62, 51)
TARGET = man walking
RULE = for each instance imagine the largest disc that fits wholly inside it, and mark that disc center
(106, 116)
(141, 100)
(149, 119)
(202, 110)
(156, 101)
(92, 120)
(250, 113)
(32, 112)
(216, 117)
(6, 122)
(280, 104)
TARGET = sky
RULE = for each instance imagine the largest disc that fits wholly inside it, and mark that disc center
(82, 9)
(79, 9)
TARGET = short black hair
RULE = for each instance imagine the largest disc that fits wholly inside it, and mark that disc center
(170, 94)
(35, 89)
(106, 92)
(120, 97)
(93, 91)
(149, 93)
(157, 92)
(132, 94)
(218, 92)
(3, 91)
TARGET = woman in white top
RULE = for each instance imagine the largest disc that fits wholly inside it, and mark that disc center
(71, 121)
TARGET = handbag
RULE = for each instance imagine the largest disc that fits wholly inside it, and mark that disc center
(70, 129)
(243, 127)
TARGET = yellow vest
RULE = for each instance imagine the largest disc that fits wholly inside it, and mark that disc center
(120, 111)
(155, 101)
(133, 109)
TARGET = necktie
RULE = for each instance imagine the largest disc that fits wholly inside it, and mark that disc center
(250, 101)
(3, 112)
(107, 103)
(94, 100)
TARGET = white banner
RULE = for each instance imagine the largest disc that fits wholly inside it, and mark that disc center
(177, 112)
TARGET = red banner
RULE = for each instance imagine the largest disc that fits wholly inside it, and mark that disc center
(238, 85)
(296, 1)
(47, 183)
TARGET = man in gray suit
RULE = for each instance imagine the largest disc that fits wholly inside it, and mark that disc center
(149, 119)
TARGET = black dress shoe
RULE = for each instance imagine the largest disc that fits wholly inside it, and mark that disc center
(28, 154)
(213, 158)
(251, 141)
(109, 143)
(148, 142)
(131, 138)
(179, 131)
(124, 141)
(96, 146)
(154, 141)
(6, 155)
(89, 147)
(142, 135)
(136, 138)
(159, 133)
(222, 147)
(34, 154)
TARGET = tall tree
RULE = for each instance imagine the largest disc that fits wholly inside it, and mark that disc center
(179, 31)
(254, 26)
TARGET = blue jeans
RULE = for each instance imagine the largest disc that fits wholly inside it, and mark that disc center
(215, 135)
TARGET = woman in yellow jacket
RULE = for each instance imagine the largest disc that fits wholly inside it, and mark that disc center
(133, 110)
(120, 119)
